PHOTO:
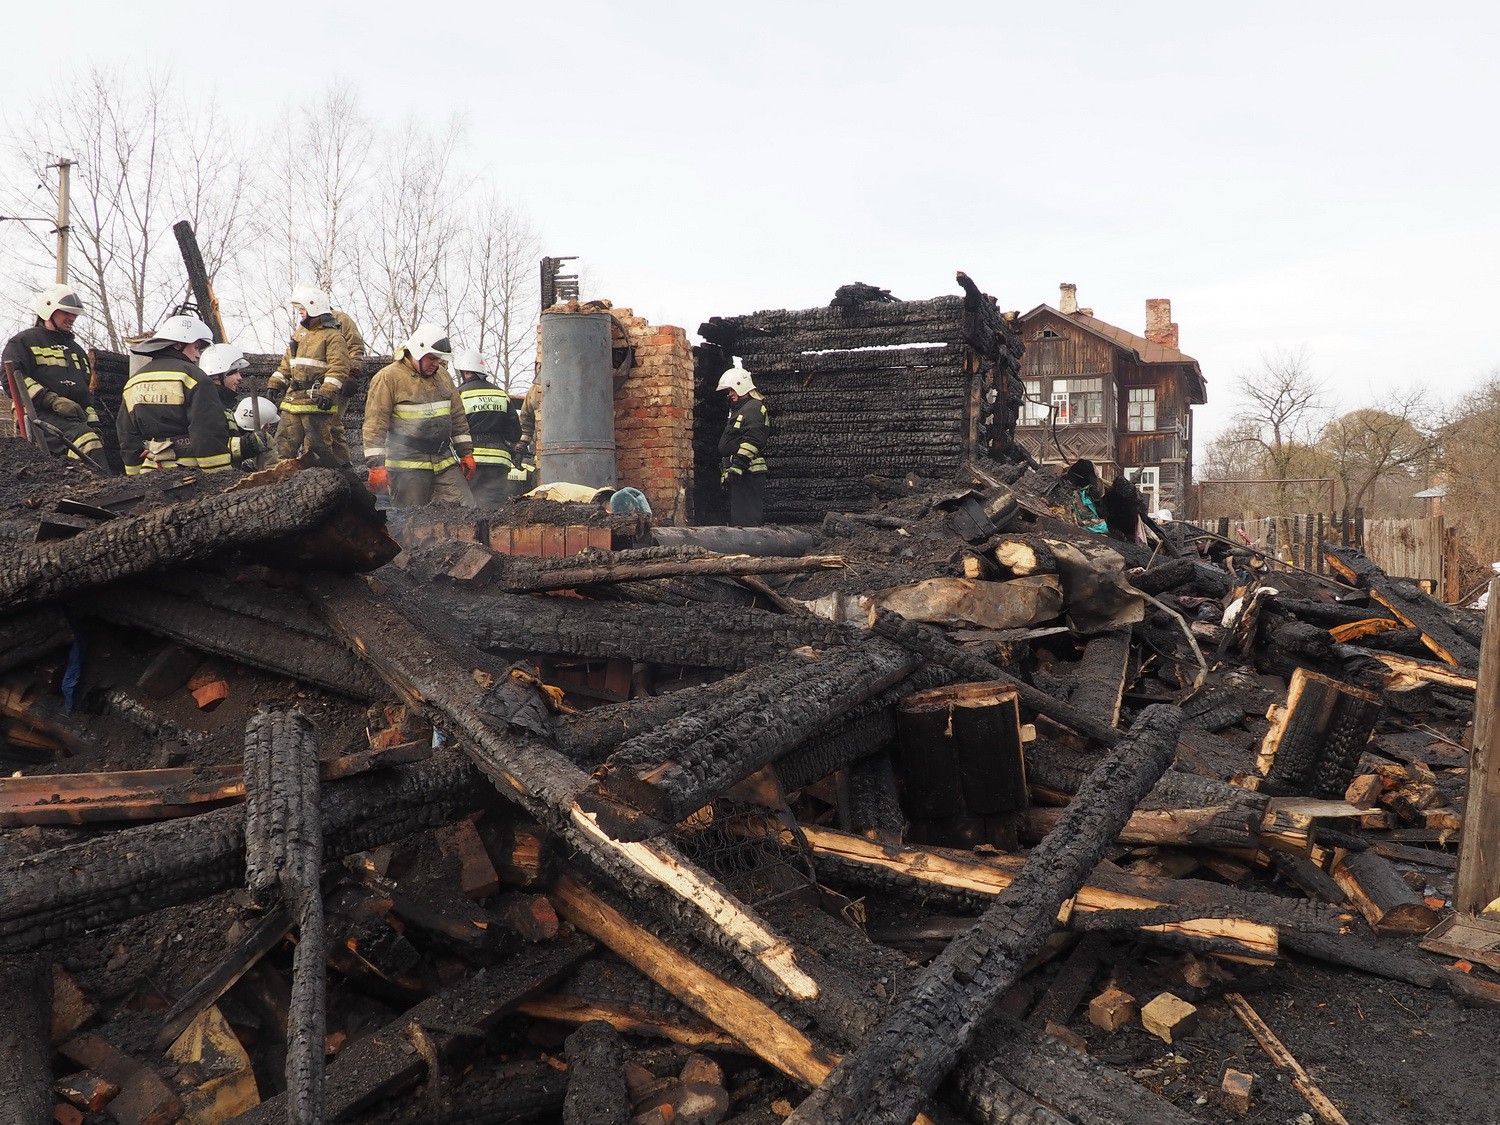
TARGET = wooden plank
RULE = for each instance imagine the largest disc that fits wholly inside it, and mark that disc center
(1327, 1112)
(1478, 882)
(1467, 936)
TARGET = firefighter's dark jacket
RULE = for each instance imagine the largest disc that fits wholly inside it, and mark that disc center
(52, 364)
(171, 399)
(748, 433)
(493, 425)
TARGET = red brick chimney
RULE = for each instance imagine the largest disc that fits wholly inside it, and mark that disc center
(1067, 303)
(1159, 326)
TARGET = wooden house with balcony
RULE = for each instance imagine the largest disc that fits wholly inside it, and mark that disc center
(1121, 400)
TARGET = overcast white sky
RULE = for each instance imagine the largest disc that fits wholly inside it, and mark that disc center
(1287, 173)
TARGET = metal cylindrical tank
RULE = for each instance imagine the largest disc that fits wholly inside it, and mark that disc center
(577, 440)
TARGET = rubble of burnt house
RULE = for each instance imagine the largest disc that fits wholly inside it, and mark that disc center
(932, 804)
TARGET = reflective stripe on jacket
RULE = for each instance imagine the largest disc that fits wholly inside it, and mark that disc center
(318, 359)
(170, 412)
(414, 421)
(492, 423)
(748, 432)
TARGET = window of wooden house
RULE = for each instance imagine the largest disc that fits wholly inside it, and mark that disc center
(1141, 409)
(1034, 410)
(1047, 334)
(1078, 401)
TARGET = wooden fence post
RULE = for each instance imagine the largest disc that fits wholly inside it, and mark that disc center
(1478, 881)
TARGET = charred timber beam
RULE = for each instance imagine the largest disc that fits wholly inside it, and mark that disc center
(392, 1059)
(678, 768)
(929, 642)
(518, 576)
(917, 1042)
(1407, 604)
(307, 657)
(31, 634)
(698, 636)
(25, 1053)
(726, 331)
(498, 730)
(762, 542)
(58, 894)
(182, 533)
(588, 737)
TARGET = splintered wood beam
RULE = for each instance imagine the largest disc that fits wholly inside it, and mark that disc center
(1216, 826)
(936, 869)
(1407, 604)
(925, 1031)
(1408, 670)
(1355, 630)
(680, 767)
(1302, 1081)
(495, 723)
(561, 1008)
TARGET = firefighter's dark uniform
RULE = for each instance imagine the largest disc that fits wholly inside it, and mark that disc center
(317, 360)
(494, 426)
(415, 426)
(171, 414)
(742, 447)
(55, 372)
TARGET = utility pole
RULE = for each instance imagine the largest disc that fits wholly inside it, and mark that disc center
(63, 165)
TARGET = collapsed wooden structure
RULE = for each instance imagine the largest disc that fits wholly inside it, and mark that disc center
(770, 852)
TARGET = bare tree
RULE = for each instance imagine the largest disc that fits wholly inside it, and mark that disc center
(501, 294)
(1468, 451)
(1369, 445)
(1284, 406)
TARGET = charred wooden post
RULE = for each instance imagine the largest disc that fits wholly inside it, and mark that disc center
(386, 1062)
(166, 537)
(596, 1077)
(1315, 740)
(1382, 896)
(874, 800)
(1478, 881)
(60, 893)
(934, 646)
(916, 1044)
(697, 636)
(519, 575)
(1407, 604)
(25, 1053)
(678, 768)
(284, 856)
(30, 635)
(306, 657)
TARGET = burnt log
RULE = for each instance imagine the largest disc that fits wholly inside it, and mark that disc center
(761, 542)
(1409, 605)
(929, 642)
(596, 1077)
(519, 575)
(680, 767)
(960, 752)
(500, 730)
(588, 737)
(166, 537)
(1317, 737)
(25, 1053)
(1164, 576)
(918, 1041)
(60, 893)
(385, 1063)
(699, 636)
(874, 799)
(27, 636)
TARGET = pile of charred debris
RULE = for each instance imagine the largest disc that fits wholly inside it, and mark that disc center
(948, 810)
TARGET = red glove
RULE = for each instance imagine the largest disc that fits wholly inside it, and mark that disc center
(469, 466)
(380, 480)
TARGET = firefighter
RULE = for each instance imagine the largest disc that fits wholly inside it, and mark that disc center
(493, 425)
(224, 364)
(170, 412)
(531, 432)
(55, 372)
(417, 441)
(313, 371)
(742, 448)
(356, 345)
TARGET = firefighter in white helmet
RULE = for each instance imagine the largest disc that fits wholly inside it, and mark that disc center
(494, 426)
(170, 413)
(249, 447)
(742, 448)
(48, 361)
(313, 371)
(416, 436)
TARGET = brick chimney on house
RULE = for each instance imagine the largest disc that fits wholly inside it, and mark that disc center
(1159, 326)
(1067, 304)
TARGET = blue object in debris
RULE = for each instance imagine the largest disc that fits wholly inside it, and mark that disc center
(73, 674)
(630, 502)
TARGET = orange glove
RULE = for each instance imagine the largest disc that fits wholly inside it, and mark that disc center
(380, 480)
(469, 466)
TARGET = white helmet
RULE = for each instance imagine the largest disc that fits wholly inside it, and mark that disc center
(313, 300)
(736, 379)
(57, 298)
(468, 360)
(245, 413)
(222, 359)
(427, 339)
(179, 329)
